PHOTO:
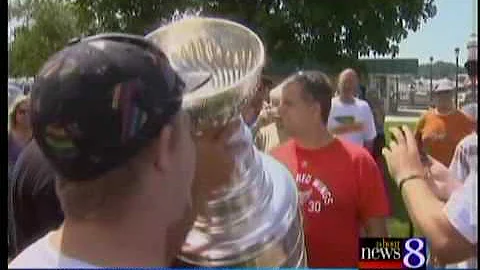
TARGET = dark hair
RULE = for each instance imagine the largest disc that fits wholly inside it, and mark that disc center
(316, 86)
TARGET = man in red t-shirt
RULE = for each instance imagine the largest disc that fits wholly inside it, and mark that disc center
(339, 183)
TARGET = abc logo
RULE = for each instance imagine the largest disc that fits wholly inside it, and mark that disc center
(414, 253)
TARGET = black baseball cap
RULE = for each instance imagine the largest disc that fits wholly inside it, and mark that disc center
(100, 100)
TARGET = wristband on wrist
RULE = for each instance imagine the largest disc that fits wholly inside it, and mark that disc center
(402, 181)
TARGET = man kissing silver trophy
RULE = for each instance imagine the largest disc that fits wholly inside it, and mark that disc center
(254, 220)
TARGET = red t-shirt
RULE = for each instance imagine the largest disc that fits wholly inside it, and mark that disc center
(341, 188)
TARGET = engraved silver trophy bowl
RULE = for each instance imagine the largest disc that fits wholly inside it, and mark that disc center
(253, 220)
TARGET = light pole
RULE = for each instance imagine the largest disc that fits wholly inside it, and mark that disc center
(457, 51)
(397, 97)
(431, 75)
(471, 64)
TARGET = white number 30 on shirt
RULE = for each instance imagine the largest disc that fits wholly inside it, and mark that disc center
(314, 206)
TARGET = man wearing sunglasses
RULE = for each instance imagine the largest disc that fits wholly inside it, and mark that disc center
(106, 112)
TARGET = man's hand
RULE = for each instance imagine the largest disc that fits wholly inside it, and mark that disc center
(402, 158)
(425, 210)
(440, 180)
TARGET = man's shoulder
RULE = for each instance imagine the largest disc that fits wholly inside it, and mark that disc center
(355, 151)
(470, 106)
(469, 140)
(429, 112)
(428, 115)
(361, 102)
(363, 105)
(285, 154)
(35, 255)
(352, 148)
(283, 149)
(471, 110)
(42, 255)
(461, 210)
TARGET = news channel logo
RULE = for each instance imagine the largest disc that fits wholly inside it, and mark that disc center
(393, 253)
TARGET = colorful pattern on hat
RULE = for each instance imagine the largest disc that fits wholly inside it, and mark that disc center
(95, 104)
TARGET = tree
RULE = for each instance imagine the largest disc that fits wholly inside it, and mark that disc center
(129, 16)
(45, 26)
(327, 31)
(297, 31)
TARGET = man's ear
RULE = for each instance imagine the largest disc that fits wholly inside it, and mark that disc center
(163, 150)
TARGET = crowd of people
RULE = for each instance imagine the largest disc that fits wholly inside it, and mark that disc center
(444, 137)
(101, 150)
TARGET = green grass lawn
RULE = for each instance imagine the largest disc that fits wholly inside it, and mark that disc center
(390, 124)
(398, 225)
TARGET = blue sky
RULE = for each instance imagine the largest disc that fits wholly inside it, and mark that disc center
(451, 27)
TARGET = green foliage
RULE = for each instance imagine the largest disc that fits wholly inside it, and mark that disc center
(329, 32)
(128, 16)
(297, 32)
(47, 26)
(440, 70)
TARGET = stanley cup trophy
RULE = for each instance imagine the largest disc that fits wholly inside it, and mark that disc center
(254, 220)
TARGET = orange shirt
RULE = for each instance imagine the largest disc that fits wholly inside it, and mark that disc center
(340, 188)
(440, 134)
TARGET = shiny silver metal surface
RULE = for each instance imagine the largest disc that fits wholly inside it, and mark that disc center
(253, 221)
(230, 53)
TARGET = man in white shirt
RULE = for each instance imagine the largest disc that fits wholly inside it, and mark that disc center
(351, 118)
(464, 164)
(461, 211)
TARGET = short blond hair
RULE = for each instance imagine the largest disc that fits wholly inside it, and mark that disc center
(13, 110)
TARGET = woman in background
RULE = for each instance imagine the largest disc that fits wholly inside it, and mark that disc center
(19, 134)
(19, 129)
